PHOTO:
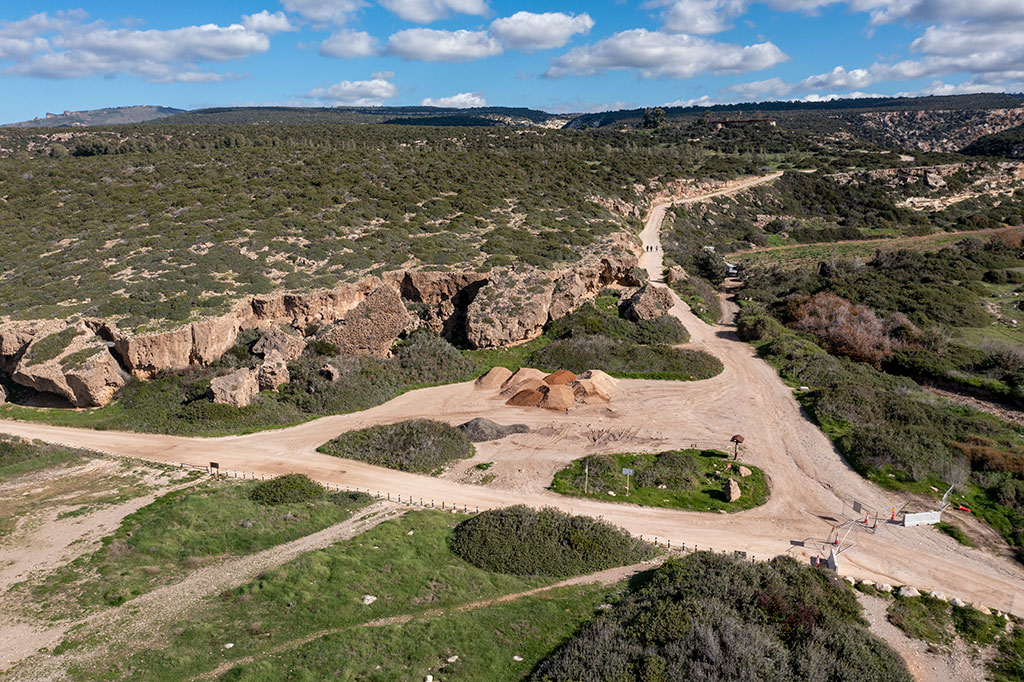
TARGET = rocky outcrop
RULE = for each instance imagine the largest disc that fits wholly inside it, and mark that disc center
(732, 490)
(237, 388)
(273, 372)
(72, 363)
(936, 129)
(317, 306)
(512, 307)
(201, 342)
(3, 394)
(372, 327)
(648, 303)
(676, 274)
(276, 340)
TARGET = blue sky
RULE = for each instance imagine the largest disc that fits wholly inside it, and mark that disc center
(564, 56)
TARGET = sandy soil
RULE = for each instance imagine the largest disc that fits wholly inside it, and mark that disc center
(811, 484)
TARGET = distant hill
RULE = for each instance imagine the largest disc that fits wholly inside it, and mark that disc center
(797, 109)
(339, 115)
(99, 117)
(1008, 143)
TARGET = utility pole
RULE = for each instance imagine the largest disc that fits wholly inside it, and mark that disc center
(586, 479)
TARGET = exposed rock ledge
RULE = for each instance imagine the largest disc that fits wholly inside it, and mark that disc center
(499, 308)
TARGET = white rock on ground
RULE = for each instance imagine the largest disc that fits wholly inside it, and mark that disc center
(883, 587)
(909, 591)
(369, 599)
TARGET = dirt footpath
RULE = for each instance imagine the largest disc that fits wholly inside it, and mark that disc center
(811, 484)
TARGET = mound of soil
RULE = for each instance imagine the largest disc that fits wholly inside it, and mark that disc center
(531, 397)
(559, 377)
(479, 430)
(493, 379)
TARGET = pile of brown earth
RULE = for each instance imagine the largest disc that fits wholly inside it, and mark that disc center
(560, 390)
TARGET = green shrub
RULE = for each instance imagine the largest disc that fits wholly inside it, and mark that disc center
(523, 541)
(420, 445)
(713, 617)
(287, 489)
(975, 626)
(955, 532)
(924, 617)
(18, 456)
(625, 359)
(51, 346)
(1008, 663)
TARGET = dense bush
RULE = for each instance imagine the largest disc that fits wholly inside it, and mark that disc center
(421, 445)
(602, 318)
(287, 489)
(884, 424)
(524, 541)
(625, 359)
(709, 617)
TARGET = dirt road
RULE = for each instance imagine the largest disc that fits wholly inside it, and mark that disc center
(811, 484)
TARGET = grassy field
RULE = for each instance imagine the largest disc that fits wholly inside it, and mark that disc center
(420, 445)
(693, 480)
(519, 634)
(405, 563)
(178, 533)
(810, 254)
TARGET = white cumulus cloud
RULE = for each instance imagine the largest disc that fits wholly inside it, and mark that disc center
(349, 43)
(426, 11)
(369, 93)
(431, 45)
(530, 31)
(463, 100)
(655, 54)
(699, 17)
(268, 23)
(65, 46)
(325, 11)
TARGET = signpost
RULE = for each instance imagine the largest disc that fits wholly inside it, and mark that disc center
(628, 472)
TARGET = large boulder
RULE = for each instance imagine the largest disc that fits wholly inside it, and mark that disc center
(648, 303)
(276, 340)
(237, 388)
(492, 379)
(14, 339)
(676, 274)
(732, 490)
(510, 308)
(273, 372)
(72, 363)
(480, 430)
(373, 326)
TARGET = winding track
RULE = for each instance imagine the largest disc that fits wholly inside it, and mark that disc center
(810, 481)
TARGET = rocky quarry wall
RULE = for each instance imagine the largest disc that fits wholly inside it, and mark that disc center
(85, 361)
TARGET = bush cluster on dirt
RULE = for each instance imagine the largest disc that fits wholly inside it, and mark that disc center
(624, 359)
(420, 445)
(287, 489)
(523, 541)
(878, 416)
(712, 617)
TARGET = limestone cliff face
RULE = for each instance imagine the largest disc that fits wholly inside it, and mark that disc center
(372, 327)
(498, 308)
(69, 361)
